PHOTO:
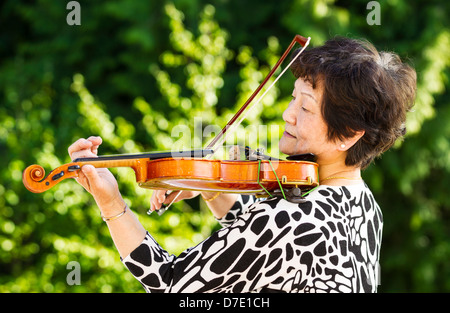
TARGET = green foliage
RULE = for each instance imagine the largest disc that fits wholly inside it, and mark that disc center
(142, 74)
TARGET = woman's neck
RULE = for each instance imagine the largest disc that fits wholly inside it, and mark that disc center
(339, 174)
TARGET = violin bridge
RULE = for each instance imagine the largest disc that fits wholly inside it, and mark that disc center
(235, 153)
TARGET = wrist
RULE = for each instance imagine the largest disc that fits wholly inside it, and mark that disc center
(114, 217)
(112, 207)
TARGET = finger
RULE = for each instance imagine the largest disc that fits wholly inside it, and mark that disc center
(77, 145)
(96, 142)
(91, 175)
(81, 145)
(87, 153)
(174, 195)
(161, 195)
(82, 180)
(157, 199)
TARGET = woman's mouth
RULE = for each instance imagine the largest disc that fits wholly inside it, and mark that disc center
(288, 135)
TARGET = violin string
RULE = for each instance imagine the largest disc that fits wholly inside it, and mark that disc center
(235, 125)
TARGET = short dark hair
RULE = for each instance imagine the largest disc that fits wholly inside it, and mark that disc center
(363, 90)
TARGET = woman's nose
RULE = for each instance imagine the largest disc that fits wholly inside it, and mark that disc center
(289, 115)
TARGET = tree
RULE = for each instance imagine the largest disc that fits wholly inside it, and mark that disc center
(134, 72)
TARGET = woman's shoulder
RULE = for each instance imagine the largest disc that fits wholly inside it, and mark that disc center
(324, 200)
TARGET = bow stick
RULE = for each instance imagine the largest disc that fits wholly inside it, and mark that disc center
(221, 137)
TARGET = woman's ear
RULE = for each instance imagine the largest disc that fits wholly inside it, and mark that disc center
(347, 143)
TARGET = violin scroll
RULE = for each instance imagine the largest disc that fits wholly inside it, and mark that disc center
(34, 181)
(35, 172)
(33, 175)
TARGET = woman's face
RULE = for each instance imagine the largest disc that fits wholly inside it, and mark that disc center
(305, 129)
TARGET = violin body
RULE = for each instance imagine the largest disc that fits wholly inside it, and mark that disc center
(229, 176)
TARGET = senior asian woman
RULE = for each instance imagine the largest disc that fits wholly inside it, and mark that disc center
(349, 105)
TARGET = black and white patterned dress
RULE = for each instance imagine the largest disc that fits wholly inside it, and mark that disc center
(330, 243)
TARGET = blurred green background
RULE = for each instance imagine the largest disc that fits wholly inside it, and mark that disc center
(134, 70)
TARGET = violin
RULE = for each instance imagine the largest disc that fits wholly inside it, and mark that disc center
(258, 174)
(189, 170)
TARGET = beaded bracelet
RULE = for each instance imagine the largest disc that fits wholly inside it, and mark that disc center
(112, 218)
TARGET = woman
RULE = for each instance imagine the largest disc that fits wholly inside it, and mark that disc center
(348, 106)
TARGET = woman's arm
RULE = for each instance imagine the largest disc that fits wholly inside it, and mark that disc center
(126, 231)
(240, 206)
(233, 259)
(218, 203)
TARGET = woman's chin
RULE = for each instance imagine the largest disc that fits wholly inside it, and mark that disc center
(286, 148)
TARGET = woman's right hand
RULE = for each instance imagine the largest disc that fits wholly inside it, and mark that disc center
(218, 204)
(160, 197)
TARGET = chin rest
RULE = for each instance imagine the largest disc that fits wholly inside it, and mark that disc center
(302, 157)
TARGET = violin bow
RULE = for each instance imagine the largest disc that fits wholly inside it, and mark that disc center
(220, 137)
